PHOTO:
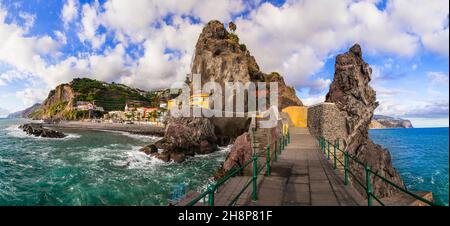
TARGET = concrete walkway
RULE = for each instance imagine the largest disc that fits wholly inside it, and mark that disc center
(302, 176)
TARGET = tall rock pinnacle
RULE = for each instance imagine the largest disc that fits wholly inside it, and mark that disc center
(353, 96)
(220, 57)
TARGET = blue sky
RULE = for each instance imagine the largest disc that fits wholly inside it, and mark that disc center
(149, 44)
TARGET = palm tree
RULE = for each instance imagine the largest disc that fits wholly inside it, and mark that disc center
(232, 27)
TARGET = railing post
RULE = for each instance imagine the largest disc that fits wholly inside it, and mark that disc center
(289, 136)
(277, 144)
(280, 145)
(255, 177)
(211, 189)
(285, 140)
(346, 167)
(337, 143)
(323, 144)
(334, 156)
(328, 150)
(368, 187)
(268, 160)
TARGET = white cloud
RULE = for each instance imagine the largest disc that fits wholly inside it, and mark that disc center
(311, 100)
(13, 75)
(438, 78)
(22, 51)
(294, 39)
(31, 96)
(90, 23)
(375, 30)
(69, 12)
(61, 37)
(437, 41)
(427, 19)
(29, 20)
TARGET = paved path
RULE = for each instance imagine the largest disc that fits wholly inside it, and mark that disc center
(303, 177)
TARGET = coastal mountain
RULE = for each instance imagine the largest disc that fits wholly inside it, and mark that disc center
(24, 113)
(381, 122)
(356, 100)
(61, 102)
(220, 57)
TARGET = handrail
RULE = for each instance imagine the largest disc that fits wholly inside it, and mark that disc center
(283, 141)
(323, 146)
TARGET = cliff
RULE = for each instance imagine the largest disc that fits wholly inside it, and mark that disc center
(61, 101)
(351, 93)
(381, 122)
(220, 57)
(24, 113)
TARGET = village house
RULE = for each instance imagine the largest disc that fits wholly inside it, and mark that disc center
(86, 106)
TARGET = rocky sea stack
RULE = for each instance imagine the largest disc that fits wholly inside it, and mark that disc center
(353, 96)
(39, 131)
(221, 58)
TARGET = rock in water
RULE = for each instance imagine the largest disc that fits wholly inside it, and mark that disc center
(353, 96)
(39, 131)
(184, 137)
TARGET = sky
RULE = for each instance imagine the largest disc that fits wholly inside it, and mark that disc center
(149, 44)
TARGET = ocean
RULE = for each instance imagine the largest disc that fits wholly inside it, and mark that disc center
(87, 168)
(421, 157)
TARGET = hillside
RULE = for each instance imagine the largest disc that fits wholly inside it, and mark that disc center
(61, 101)
(381, 122)
(24, 113)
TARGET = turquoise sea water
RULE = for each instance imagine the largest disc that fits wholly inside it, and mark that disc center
(86, 168)
(421, 157)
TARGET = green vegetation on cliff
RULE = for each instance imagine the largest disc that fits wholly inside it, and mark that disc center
(109, 96)
(61, 102)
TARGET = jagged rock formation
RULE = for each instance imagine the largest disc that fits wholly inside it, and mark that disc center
(381, 121)
(353, 96)
(219, 57)
(39, 131)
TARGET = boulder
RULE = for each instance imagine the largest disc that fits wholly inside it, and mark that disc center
(177, 157)
(164, 156)
(184, 137)
(39, 131)
(149, 149)
(240, 153)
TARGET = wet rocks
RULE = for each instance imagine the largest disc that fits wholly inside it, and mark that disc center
(39, 131)
(149, 149)
(184, 137)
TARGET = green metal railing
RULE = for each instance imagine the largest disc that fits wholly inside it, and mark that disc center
(325, 148)
(212, 188)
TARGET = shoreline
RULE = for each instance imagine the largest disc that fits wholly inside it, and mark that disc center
(139, 129)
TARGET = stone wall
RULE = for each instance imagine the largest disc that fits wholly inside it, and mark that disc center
(326, 120)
